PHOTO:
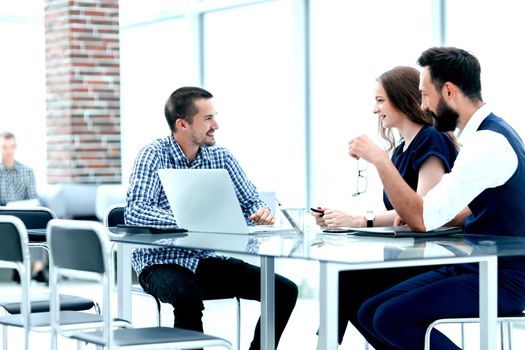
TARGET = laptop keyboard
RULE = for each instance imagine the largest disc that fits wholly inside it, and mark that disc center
(265, 228)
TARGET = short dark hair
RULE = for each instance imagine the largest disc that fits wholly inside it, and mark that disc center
(180, 104)
(454, 65)
(7, 135)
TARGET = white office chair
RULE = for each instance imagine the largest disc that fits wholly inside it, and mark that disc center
(37, 218)
(505, 324)
(33, 315)
(84, 247)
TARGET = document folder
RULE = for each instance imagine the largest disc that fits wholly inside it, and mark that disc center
(395, 231)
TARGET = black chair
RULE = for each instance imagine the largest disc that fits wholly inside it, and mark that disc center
(14, 253)
(84, 247)
(36, 218)
(114, 217)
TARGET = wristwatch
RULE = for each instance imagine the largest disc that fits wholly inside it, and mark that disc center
(369, 217)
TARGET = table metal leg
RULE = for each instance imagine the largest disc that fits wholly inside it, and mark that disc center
(328, 301)
(488, 302)
(267, 303)
(124, 281)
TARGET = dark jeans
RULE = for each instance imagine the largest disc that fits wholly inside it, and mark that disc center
(356, 286)
(215, 279)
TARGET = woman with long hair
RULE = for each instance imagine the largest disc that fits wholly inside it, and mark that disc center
(421, 155)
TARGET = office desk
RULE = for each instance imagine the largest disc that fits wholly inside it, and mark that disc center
(335, 253)
(267, 246)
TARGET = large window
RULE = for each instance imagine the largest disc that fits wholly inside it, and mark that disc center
(253, 63)
(22, 82)
(286, 115)
(252, 58)
(352, 44)
(493, 31)
(156, 58)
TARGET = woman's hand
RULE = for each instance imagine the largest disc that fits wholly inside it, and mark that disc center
(363, 147)
(398, 221)
(337, 218)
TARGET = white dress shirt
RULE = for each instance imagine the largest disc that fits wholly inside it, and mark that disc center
(485, 160)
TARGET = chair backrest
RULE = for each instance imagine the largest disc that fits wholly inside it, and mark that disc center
(12, 237)
(78, 245)
(33, 218)
(81, 246)
(14, 253)
(115, 215)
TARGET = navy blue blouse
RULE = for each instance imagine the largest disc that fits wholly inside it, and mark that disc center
(427, 143)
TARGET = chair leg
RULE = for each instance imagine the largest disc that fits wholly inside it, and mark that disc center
(54, 339)
(509, 335)
(238, 323)
(462, 335)
(159, 312)
(503, 334)
(426, 345)
(96, 306)
(4, 338)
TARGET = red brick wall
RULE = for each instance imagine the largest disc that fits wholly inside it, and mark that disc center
(83, 91)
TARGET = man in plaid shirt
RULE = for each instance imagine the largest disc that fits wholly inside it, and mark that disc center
(17, 181)
(186, 277)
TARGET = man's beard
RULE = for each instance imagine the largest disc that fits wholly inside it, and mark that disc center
(445, 118)
(202, 141)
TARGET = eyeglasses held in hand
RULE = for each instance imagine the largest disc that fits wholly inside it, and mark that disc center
(362, 181)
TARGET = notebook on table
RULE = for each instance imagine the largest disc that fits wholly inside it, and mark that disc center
(204, 200)
(395, 231)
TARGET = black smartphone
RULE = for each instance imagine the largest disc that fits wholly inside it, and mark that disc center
(337, 230)
(317, 210)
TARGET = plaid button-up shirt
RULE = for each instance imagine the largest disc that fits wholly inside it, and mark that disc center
(16, 183)
(147, 203)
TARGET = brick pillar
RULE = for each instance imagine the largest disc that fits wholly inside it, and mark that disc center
(83, 91)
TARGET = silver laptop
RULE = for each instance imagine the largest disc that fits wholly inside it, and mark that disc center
(204, 200)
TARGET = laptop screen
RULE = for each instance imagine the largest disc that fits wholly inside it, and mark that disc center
(203, 200)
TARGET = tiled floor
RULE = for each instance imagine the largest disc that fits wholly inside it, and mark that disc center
(219, 319)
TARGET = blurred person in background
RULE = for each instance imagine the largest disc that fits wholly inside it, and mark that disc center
(17, 183)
